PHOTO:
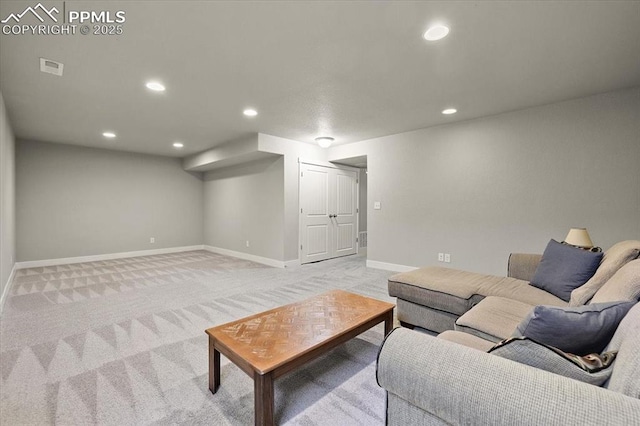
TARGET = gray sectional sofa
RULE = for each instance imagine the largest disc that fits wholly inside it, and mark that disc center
(449, 380)
(440, 299)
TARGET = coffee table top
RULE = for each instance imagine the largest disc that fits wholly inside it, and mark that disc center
(272, 338)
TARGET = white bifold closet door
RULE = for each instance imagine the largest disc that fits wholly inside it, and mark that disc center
(328, 212)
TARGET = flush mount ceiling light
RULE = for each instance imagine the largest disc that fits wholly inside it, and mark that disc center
(449, 111)
(109, 135)
(250, 112)
(324, 141)
(156, 86)
(436, 32)
(178, 145)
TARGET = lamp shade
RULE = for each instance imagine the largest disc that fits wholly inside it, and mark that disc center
(579, 237)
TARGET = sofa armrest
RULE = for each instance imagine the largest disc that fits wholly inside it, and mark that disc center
(461, 385)
(523, 265)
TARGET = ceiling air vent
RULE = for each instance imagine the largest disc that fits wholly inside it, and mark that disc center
(51, 67)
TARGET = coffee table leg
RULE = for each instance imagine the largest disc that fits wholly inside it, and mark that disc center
(388, 322)
(263, 394)
(214, 367)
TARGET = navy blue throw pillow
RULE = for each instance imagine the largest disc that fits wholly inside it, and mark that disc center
(580, 330)
(564, 268)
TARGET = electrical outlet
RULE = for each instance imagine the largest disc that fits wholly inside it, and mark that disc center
(377, 205)
(247, 243)
(447, 258)
(152, 240)
(440, 257)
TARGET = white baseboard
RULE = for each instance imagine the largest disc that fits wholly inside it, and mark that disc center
(389, 266)
(251, 257)
(5, 292)
(99, 257)
(292, 263)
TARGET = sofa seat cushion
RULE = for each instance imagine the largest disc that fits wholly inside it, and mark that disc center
(425, 317)
(466, 339)
(456, 291)
(494, 319)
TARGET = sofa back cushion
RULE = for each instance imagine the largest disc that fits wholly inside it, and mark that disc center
(625, 377)
(523, 266)
(624, 285)
(614, 258)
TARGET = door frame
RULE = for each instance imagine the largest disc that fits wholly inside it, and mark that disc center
(330, 165)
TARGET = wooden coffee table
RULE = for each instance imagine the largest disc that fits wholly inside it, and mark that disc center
(272, 343)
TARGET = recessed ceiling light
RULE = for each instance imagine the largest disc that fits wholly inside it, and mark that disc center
(155, 86)
(250, 112)
(324, 141)
(437, 32)
(178, 145)
(449, 111)
(109, 135)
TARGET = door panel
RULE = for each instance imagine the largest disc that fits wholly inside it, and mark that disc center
(316, 195)
(317, 240)
(315, 225)
(345, 243)
(346, 193)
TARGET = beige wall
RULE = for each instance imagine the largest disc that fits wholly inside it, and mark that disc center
(75, 201)
(7, 200)
(246, 203)
(483, 188)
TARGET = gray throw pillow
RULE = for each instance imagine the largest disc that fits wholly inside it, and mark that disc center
(564, 268)
(593, 368)
(579, 330)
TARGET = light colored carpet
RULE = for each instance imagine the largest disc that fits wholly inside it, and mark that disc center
(122, 342)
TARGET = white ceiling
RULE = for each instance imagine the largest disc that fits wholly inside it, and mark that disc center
(351, 70)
